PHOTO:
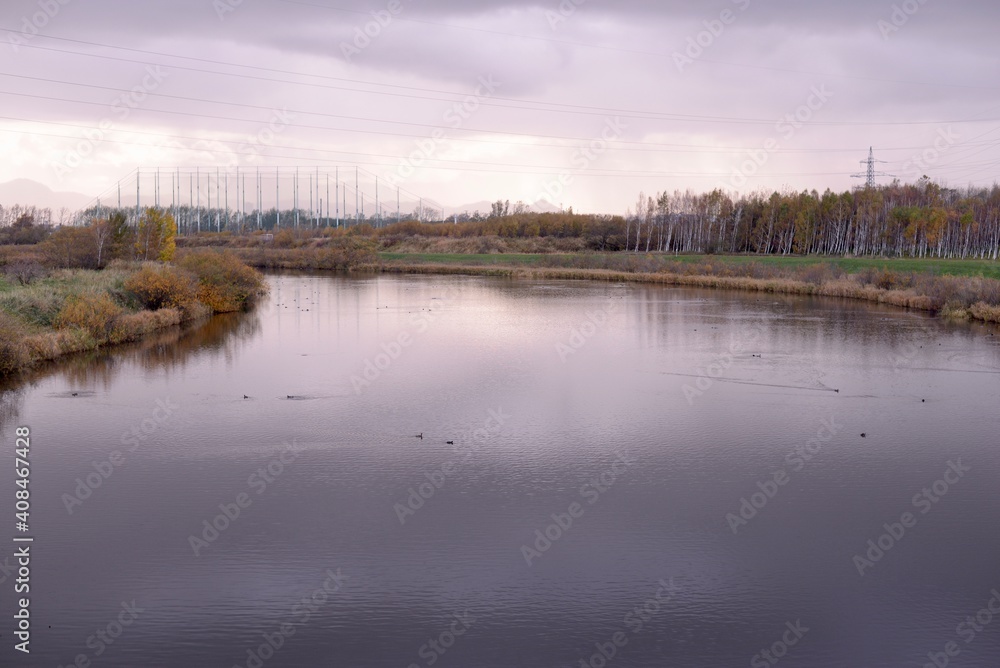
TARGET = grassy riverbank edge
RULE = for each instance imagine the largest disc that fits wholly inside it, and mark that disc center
(89, 310)
(847, 287)
(78, 310)
(957, 289)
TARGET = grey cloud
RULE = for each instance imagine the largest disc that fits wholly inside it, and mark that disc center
(939, 65)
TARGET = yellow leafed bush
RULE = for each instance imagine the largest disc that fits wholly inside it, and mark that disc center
(225, 283)
(159, 287)
(93, 313)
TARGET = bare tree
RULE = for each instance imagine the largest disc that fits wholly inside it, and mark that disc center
(650, 209)
(102, 231)
(640, 216)
(628, 227)
(25, 271)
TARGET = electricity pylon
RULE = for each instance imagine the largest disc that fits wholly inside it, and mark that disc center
(870, 174)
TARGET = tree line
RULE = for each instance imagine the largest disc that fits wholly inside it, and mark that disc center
(195, 220)
(102, 240)
(913, 220)
(922, 219)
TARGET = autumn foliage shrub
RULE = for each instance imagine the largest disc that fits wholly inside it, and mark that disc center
(93, 313)
(225, 283)
(284, 239)
(157, 287)
(70, 247)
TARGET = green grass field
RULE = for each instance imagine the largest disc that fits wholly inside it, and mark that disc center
(984, 268)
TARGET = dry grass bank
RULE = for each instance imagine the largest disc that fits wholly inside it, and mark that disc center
(487, 245)
(73, 310)
(341, 254)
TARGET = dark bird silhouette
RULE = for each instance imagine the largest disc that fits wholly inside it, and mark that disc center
(420, 435)
(863, 435)
(76, 394)
(450, 442)
(245, 396)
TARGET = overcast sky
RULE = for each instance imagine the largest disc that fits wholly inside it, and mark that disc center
(587, 101)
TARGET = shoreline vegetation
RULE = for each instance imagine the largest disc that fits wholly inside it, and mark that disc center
(848, 287)
(965, 289)
(83, 288)
(120, 278)
(77, 310)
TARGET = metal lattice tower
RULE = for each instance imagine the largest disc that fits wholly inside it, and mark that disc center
(870, 174)
(199, 195)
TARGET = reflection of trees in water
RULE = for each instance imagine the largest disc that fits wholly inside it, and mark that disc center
(222, 336)
(169, 350)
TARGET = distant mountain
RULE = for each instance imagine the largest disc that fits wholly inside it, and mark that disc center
(544, 206)
(32, 193)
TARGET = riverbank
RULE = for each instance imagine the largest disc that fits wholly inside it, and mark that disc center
(75, 310)
(849, 265)
(961, 289)
(959, 294)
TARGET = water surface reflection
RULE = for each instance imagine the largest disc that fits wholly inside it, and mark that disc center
(657, 419)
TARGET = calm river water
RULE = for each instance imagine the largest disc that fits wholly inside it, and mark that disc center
(640, 476)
